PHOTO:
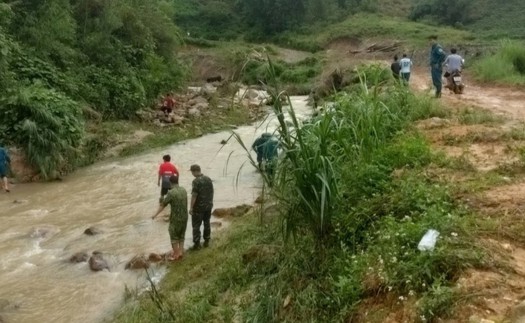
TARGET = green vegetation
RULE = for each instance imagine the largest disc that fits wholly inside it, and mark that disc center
(506, 66)
(61, 59)
(353, 200)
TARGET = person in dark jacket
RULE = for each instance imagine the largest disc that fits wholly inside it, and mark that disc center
(4, 166)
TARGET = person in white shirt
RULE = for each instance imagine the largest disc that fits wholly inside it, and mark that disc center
(406, 66)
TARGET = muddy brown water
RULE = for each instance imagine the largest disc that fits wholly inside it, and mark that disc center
(118, 197)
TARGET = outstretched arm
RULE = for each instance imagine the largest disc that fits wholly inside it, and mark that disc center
(161, 207)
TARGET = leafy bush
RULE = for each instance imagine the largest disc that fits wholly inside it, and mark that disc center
(45, 123)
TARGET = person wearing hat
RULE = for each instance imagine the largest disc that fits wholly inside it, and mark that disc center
(177, 198)
(4, 163)
(201, 206)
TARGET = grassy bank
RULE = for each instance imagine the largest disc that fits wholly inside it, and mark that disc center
(354, 193)
(506, 66)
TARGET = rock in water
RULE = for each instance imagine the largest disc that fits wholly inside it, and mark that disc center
(97, 262)
(154, 257)
(91, 231)
(138, 262)
(79, 257)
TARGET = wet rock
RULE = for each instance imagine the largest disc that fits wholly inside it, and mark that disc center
(259, 199)
(215, 224)
(197, 101)
(222, 212)
(155, 257)
(20, 201)
(208, 90)
(138, 262)
(91, 231)
(97, 262)
(194, 112)
(241, 210)
(79, 257)
(518, 313)
(224, 142)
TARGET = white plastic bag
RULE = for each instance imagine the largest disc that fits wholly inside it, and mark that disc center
(428, 242)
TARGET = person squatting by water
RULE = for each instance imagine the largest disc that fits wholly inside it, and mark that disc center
(406, 66)
(177, 198)
(201, 206)
(4, 166)
(168, 104)
(266, 147)
(437, 57)
(166, 170)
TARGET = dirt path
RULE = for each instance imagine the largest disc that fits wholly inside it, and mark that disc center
(500, 100)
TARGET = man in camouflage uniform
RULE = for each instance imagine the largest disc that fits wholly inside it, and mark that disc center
(200, 207)
(177, 198)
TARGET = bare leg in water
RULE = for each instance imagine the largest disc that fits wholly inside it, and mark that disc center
(5, 184)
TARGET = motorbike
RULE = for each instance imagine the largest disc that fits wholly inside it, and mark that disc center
(455, 82)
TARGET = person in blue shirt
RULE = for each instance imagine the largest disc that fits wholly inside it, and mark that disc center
(437, 57)
(4, 163)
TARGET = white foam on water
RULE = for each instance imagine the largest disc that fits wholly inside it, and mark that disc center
(35, 250)
(38, 213)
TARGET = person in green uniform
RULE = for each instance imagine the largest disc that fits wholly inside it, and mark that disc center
(177, 198)
(437, 57)
(200, 207)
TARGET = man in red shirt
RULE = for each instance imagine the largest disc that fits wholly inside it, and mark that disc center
(168, 104)
(166, 170)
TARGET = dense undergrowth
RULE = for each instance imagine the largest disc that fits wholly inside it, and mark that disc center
(505, 66)
(63, 61)
(353, 200)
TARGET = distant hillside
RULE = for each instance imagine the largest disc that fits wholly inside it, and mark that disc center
(486, 18)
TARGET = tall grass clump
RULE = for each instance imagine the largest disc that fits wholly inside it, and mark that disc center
(507, 65)
(308, 183)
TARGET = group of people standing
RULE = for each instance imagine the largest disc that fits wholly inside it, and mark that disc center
(453, 62)
(176, 196)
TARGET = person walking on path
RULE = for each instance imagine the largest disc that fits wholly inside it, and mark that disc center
(200, 207)
(166, 170)
(406, 66)
(437, 57)
(4, 166)
(395, 67)
(177, 198)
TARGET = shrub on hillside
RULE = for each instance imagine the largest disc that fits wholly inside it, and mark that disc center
(45, 123)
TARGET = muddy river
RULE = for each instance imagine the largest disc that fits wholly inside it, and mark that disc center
(45, 226)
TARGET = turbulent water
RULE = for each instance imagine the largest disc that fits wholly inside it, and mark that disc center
(45, 226)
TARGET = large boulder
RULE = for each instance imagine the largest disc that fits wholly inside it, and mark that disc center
(79, 257)
(21, 168)
(97, 262)
(138, 262)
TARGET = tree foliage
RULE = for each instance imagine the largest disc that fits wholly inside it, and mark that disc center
(450, 12)
(114, 56)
